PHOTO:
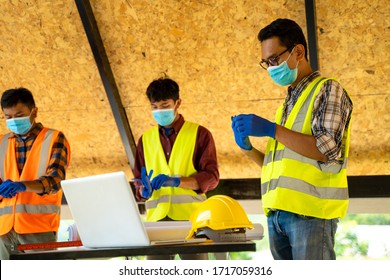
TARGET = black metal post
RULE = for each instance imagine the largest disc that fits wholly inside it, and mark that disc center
(102, 62)
(312, 33)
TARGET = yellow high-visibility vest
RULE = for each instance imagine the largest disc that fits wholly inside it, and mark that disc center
(297, 184)
(175, 202)
(28, 212)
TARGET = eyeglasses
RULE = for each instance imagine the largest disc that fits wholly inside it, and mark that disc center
(273, 61)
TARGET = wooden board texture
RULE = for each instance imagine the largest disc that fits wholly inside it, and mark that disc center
(210, 48)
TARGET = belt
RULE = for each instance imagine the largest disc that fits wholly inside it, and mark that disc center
(298, 215)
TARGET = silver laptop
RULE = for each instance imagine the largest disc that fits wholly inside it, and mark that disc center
(106, 214)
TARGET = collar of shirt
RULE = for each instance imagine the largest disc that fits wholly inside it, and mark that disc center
(303, 83)
(294, 93)
(33, 133)
(175, 128)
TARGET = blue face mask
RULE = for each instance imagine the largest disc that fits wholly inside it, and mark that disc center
(164, 117)
(282, 74)
(19, 125)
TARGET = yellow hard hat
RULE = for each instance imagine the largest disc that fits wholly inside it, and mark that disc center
(219, 212)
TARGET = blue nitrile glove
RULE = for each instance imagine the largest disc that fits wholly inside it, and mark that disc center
(145, 181)
(9, 189)
(252, 125)
(241, 141)
(163, 180)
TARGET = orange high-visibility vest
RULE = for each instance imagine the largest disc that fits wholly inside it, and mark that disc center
(28, 212)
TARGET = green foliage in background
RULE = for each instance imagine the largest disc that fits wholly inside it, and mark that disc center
(368, 219)
(348, 245)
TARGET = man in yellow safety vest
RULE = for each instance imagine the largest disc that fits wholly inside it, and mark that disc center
(176, 162)
(303, 179)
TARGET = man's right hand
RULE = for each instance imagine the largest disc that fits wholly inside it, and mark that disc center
(9, 189)
(146, 190)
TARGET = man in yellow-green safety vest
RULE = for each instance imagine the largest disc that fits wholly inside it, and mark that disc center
(178, 159)
(303, 179)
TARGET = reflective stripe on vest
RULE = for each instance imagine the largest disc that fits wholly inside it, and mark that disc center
(174, 202)
(6, 210)
(29, 212)
(295, 183)
(37, 209)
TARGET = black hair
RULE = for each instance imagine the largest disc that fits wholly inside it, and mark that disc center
(12, 97)
(162, 89)
(288, 32)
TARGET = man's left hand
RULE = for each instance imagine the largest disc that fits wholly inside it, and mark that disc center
(163, 180)
(9, 189)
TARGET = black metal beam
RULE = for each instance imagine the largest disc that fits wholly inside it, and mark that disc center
(358, 186)
(107, 76)
(369, 186)
(243, 189)
(312, 33)
(375, 186)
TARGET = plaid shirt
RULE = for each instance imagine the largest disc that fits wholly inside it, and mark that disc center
(331, 114)
(58, 161)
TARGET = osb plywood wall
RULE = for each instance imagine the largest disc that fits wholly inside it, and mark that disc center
(210, 48)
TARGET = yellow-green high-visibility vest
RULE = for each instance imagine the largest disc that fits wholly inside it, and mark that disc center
(175, 202)
(295, 183)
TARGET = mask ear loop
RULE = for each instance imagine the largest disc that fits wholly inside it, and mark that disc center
(175, 108)
(31, 114)
(290, 54)
(296, 66)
